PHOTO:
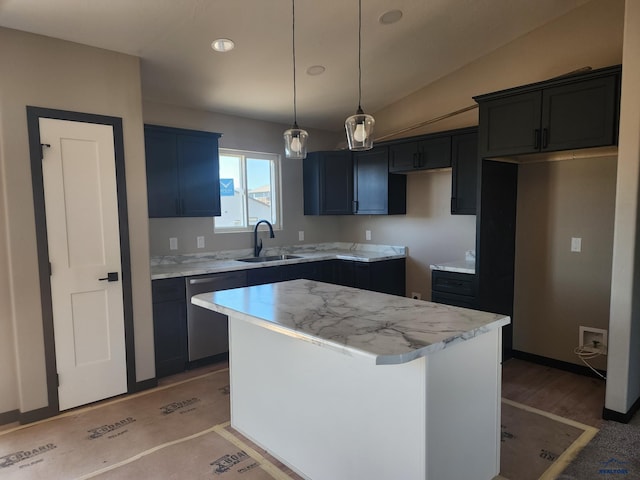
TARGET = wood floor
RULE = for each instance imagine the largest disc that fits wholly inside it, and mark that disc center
(569, 395)
(562, 393)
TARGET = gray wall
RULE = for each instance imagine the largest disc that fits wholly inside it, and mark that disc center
(623, 365)
(45, 72)
(244, 134)
(56, 74)
(556, 290)
(589, 36)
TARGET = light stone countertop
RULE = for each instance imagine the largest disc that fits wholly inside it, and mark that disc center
(385, 329)
(460, 266)
(169, 266)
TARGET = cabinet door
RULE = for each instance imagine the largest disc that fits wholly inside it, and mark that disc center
(464, 176)
(435, 152)
(311, 183)
(404, 157)
(260, 276)
(420, 155)
(389, 276)
(371, 181)
(454, 300)
(169, 326)
(306, 270)
(453, 282)
(199, 179)
(182, 172)
(345, 273)
(580, 115)
(336, 183)
(162, 173)
(362, 275)
(510, 125)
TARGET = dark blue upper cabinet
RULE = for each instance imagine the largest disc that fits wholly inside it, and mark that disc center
(375, 190)
(328, 183)
(574, 112)
(182, 172)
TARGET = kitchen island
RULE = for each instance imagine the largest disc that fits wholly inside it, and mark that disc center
(342, 383)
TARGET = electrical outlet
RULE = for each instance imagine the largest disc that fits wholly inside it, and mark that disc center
(576, 244)
(367, 234)
(593, 340)
(173, 243)
(416, 295)
(200, 242)
(300, 235)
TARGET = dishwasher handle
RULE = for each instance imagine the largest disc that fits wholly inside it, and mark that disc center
(201, 281)
(220, 279)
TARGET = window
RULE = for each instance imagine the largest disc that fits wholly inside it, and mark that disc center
(249, 190)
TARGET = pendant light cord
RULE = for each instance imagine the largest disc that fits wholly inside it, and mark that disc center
(359, 55)
(295, 111)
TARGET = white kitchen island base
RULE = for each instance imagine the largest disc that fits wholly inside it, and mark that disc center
(333, 416)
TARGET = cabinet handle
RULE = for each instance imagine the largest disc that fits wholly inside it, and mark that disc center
(354, 206)
(536, 138)
(545, 138)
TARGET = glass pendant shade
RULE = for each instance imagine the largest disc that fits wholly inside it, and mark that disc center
(295, 143)
(295, 139)
(359, 129)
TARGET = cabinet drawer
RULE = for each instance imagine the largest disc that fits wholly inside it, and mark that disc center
(167, 289)
(464, 301)
(453, 282)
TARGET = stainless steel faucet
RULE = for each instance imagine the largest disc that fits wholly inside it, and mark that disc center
(257, 245)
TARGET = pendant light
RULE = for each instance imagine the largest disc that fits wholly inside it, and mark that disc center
(295, 139)
(359, 127)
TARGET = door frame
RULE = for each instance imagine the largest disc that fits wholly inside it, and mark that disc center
(35, 153)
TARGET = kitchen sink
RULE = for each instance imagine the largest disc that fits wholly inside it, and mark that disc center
(271, 258)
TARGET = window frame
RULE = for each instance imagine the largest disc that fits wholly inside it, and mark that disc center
(276, 185)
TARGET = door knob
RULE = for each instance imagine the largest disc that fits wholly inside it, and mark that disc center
(111, 277)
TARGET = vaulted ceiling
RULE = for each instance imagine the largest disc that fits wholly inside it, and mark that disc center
(173, 40)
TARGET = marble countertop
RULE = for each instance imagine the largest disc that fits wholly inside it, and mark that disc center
(170, 266)
(460, 266)
(386, 329)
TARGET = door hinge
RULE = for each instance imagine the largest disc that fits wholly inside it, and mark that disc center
(57, 379)
(42, 145)
(50, 269)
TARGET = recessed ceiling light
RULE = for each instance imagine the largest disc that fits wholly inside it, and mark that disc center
(315, 70)
(223, 45)
(392, 16)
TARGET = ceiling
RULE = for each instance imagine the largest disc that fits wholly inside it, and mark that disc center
(178, 66)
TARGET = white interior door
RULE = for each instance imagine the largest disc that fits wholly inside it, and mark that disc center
(84, 247)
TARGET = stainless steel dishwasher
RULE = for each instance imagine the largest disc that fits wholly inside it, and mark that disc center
(207, 331)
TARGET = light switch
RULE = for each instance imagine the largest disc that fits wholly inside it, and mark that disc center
(576, 244)
(200, 241)
(173, 243)
(301, 235)
(367, 234)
